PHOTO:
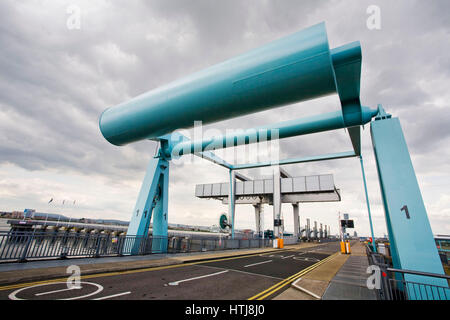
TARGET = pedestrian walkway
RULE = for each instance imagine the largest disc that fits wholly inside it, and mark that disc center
(350, 281)
(341, 278)
(313, 284)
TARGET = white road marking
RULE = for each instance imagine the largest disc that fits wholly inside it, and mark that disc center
(113, 295)
(55, 291)
(288, 257)
(306, 259)
(244, 272)
(254, 264)
(13, 295)
(175, 283)
(295, 285)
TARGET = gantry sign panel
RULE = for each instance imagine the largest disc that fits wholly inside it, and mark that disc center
(261, 187)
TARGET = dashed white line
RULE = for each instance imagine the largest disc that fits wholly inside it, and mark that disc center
(254, 264)
(175, 283)
(287, 257)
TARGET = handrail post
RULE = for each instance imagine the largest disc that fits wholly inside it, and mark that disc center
(97, 250)
(120, 245)
(23, 258)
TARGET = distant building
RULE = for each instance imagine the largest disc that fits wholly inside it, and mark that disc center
(28, 213)
(17, 215)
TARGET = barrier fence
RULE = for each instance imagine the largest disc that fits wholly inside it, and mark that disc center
(23, 246)
(400, 284)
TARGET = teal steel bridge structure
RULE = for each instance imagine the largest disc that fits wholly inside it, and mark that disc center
(293, 69)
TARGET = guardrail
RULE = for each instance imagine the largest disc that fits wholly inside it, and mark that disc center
(394, 284)
(23, 246)
(401, 289)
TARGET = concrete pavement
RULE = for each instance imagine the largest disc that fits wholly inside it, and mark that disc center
(342, 278)
(350, 282)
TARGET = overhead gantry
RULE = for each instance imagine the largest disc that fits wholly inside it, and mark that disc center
(293, 190)
(293, 69)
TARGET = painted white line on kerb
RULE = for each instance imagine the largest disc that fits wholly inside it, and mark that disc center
(287, 257)
(56, 291)
(175, 283)
(295, 285)
(113, 295)
(254, 264)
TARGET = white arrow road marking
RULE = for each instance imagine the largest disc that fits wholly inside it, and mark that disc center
(254, 264)
(175, 283)
(113, 295)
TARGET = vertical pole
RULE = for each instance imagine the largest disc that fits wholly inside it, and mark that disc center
(258, 218)
(315, 230)
(296, 220)
(262, 221)
(276, 202)
(308, 229)
(231, 199)
(368, 205)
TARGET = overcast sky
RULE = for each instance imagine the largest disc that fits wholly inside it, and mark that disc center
(55, 81)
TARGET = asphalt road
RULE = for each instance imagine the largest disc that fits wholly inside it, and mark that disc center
(260, 276)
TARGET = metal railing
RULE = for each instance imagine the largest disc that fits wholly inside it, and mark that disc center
(400, 284)
(23, 246)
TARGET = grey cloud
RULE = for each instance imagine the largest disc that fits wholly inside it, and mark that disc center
(55, 83)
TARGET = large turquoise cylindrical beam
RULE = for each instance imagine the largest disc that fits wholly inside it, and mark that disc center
(292, 69)
(281, 130)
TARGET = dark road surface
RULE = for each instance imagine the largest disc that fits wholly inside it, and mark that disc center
(235, 278)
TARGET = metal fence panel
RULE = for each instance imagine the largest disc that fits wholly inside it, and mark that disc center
(393, 285)
(22, 246)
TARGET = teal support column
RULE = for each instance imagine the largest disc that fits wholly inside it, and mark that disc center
(411, 238)
(231, 199)
(153, 197)
(160, 218)
(374, 246)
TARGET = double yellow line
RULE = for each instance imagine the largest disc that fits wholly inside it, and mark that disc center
(268, 292)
